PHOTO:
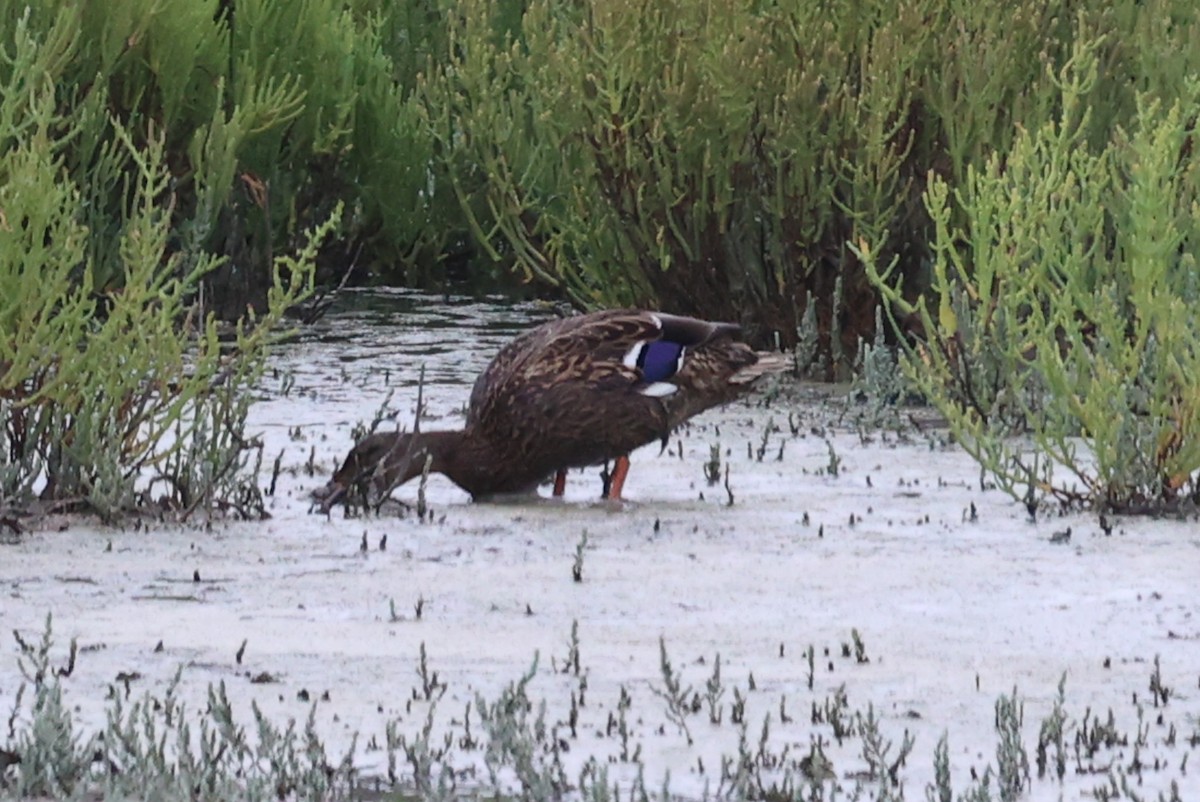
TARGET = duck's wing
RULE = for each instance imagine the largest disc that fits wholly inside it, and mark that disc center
(627, 348)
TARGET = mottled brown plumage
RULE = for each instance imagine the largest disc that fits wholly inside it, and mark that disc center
(570, 393)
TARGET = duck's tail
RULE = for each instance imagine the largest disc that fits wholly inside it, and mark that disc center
(768, 362)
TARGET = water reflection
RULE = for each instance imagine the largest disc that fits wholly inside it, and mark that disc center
(339, 370)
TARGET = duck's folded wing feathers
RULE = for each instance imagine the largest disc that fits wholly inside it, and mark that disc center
(630, 348)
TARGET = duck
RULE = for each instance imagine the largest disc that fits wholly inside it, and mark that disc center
(570, 393)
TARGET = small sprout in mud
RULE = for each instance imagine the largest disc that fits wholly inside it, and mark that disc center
(196, 575)
(749, 451)
(69, 668)
(429, 679)
(860, 649)
(108, 548)
(810, 656)
(766, 439)
(528, 609)
(779, 456)
(275, 469)
(467, 741)
(1030, 500)
(737, 708)
(571, 664)
(781, 649)
(1051, 734)
(241, 652)
(728, 489)
(621, 725)
(302, 695)
(712, 468)
(875, 749)
(971, 515)
(794, 424)
(804, 519)
(1012, 762)
(158, 647)
(419, 607)
(657, 525)
(392, 616)
(713, 691)
(869, 480)
(577, 566)
(310, 467)
(751, 684)
(833, 467)
(784, 718)
(287, 380)
(821, 530)
(836, 713)
(573, 716)
(852, 520)
(363, 545)
(1105, 525)
(673, 692)
(1060, 537)
(383, 542)
(1158, 692)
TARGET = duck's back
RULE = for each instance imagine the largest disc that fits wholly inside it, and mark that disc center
(560, 394)
(590, 388)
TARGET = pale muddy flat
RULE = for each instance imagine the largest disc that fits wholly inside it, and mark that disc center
(822, 534)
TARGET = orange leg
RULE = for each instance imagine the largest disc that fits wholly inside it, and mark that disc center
(560, 482)
(617, 483)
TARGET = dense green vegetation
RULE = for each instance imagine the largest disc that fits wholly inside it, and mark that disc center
(758, 162)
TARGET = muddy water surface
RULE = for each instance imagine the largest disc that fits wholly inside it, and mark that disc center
(950, 611)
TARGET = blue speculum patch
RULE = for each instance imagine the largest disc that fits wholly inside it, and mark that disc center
(659, 360)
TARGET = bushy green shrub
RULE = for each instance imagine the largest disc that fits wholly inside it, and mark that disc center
(112, 395)
(688, 156)
(1064, 308)
(717, 158)
(271, 113)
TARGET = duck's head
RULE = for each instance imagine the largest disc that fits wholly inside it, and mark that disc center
(376, 464)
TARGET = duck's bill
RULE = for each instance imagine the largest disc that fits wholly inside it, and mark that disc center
(328, 495)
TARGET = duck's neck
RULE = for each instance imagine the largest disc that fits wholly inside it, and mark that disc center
(457, 455)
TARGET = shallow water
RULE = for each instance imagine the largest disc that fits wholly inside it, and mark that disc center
(953, 610)
(373, 340)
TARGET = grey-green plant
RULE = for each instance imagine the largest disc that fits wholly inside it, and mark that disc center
(876, 751)
(1060, 307)
(580, 550)
(117, 395)
(1012, 761)
(879, 383)
(714, 689)
(520, 739)
(1052, 734)
(691, 170)
(156, 745)
(940, 790)
(673, 691)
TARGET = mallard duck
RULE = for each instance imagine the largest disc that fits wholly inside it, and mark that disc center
(569, 393)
